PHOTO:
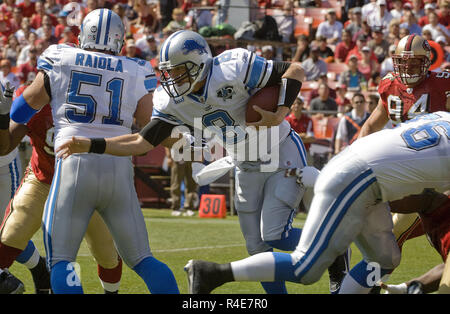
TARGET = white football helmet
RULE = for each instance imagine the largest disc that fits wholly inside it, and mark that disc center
(102, 29)
(185, 59)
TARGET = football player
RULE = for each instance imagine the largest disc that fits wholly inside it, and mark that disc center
(350, 205)
(211, 93)
(410, 90)
(86, 89)
(24, 213)
(434, 211)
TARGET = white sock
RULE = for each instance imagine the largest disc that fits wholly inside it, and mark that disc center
(111, 287)
(259, 267)
(351, 286)
(33, 260)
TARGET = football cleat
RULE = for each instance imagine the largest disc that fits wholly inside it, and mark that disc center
(202, 276)
(338, 270)
(9, 284)
(41, 277)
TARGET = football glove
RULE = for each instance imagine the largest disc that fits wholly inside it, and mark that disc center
(6, 99)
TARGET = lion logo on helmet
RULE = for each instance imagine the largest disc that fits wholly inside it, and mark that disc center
(192, 45)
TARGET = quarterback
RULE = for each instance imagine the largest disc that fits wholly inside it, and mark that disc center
(208, 92)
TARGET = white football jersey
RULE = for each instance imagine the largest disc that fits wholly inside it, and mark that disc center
(411, 157)
(235, 75)
(94, 94)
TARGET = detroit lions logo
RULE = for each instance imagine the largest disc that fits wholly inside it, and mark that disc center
(191, 45)
(226, 92)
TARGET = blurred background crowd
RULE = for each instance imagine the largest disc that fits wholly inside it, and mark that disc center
(345, 46)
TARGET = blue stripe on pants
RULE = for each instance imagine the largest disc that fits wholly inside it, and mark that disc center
(338, 209)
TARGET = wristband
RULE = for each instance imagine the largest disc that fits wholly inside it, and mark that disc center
(4, 121)
(289, 90)
(21, 112)
(98, 145)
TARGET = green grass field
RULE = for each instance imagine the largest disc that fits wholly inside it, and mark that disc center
(175, 240)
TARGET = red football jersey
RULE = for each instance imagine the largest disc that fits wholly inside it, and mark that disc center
(402, 103)
(41, 133)
(437, 227)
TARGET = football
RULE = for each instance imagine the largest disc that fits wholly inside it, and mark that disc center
(266, 98)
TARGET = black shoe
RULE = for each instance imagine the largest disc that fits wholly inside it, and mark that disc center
(203, 277)
(41, 277)
(111, 292)
(9, 284)
(338, 270)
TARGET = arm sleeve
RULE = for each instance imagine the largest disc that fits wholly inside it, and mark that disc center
(156, 131)
(279, 68)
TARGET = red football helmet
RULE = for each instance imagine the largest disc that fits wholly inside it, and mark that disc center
(412, 59)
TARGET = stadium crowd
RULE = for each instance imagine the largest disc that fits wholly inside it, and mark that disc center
(345, 52)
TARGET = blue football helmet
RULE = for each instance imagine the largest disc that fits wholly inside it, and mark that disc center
(102, 29)
(185, 59)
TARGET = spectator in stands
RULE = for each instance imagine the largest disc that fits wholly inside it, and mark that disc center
(426, 33)
(27, 7)
(302, 124)
(16, 19)
(443, 43)
(342, 101)
(367, 66)
(68, 37)
(357, 50)
(7, 7)
(323, 104)
(51, 7)
(387, 65)
(166, 8)
(331, 28)
(368, 9)
(436, 28)
(393, 35)
(378, 44)
(131, 50)
(37, 18)
(352, 78)
(356, 24)
(325, 52)
(200, 17)
(120, 10)
(28, 67)
(444, 13)
(91, 5)
(372, 102)
(381, 16)
(7, 76)
(366, 31)
(404, 31)
(5, 27)
(417, 9)
(410, 23)
(148, 46)
(323, 79)
(177, 23)
(181, 171)
(313, 66)
(286, 21)
(47, 34)
(11, 50)
(147, 16)
(303, 51)
(24, 32)
(429, 7)
(397, 9)
(342, 49)
(350, 124)
(374, 81)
